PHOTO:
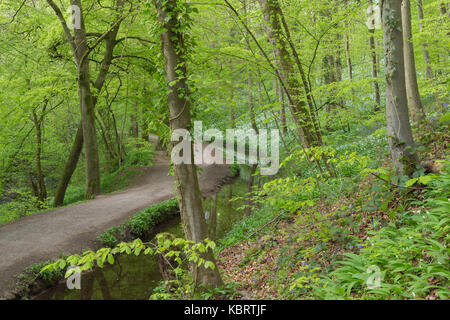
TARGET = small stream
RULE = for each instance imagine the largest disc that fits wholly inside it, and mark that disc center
(134, 278)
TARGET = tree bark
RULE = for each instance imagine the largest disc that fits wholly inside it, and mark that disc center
(282, 105)
(70, 167)
(213, 218)
(290, 83)
(412, 89)
(426, 54)
(349, 58)
(374, 56)
(401, 142)
(87, 109)
(188, 191)
(80, 53)
(134, 129)
(42, 194)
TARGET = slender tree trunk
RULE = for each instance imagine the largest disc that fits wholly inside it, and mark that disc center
(375, 62)
(376, 87)
(34, 186)
(188, 190)
(305, 81)
(42, 194)
(253, 167)
(70, 167)
(400, 137)
(429, 71)
(105, 135)
(134, 129)
(213, 218)
(426, 54)
(78, 53)
(328, 66)
(232, 117)
(290, 83)
(87, 109)
(282, 102)
(349, 58)
(412, 89)
(251, 182)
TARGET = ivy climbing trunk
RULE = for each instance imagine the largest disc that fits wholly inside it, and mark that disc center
(400, 137)
(288, 81)
(188, 190)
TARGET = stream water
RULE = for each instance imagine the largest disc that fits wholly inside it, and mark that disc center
(134, 278)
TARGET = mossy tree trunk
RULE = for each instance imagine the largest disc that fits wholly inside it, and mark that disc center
(188, 190)
(78, 43)
(400, 137)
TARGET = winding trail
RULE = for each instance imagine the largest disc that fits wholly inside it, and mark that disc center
(43, 236)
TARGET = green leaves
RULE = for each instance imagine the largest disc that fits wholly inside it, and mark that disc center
(421, 180)
(445, 118)
(169, 247)
(412, 255)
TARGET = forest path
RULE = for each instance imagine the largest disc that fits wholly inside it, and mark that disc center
(43, 236)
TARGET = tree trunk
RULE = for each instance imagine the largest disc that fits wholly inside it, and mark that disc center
(80, 53)
(281, 100)
(42, 194)
(412, 89)
(376, 87)
(426, 54)
(400, 137)
(374, 56)
(87, 109)
(134, 129)
(188, 190)
(213, 219)
(429, 71)
(290, 83)
(70, 167)
(232, 117)
(349, 58)
(251, 182)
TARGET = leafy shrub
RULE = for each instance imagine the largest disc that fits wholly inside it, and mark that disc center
(24, 203)
(109, 237)
(410, 255)
(141, 223)
(152, 216)
(140, 153)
